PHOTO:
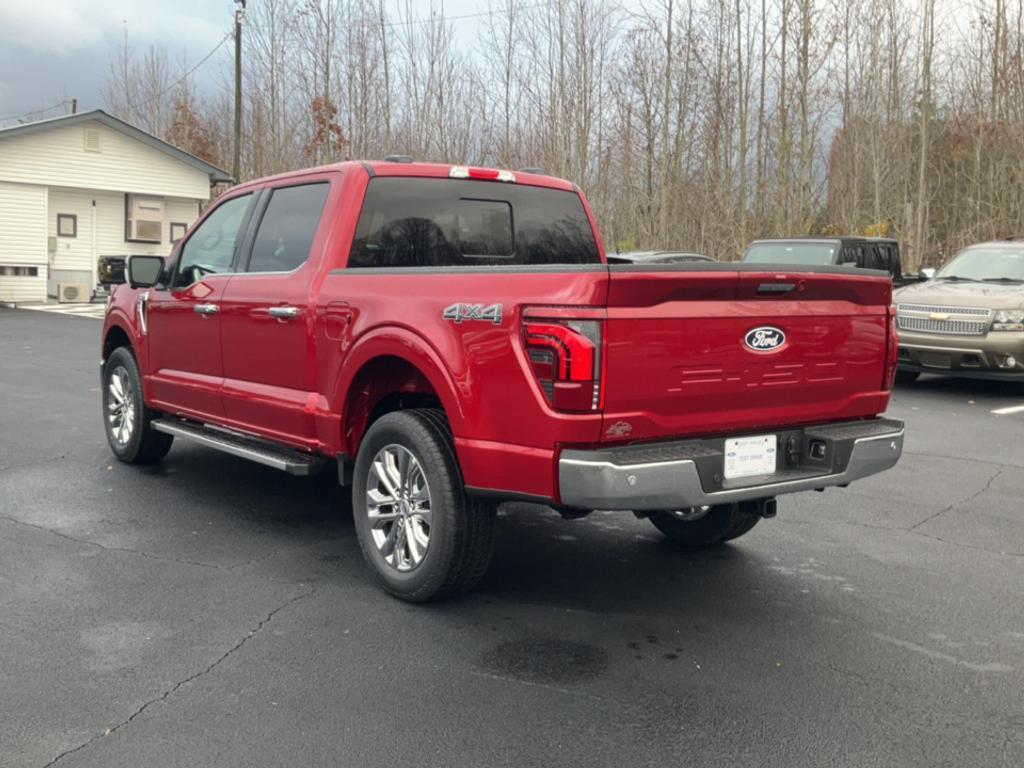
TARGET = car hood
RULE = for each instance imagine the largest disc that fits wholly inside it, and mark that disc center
(946, 293)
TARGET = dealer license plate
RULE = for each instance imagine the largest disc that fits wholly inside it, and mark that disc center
(749, 456)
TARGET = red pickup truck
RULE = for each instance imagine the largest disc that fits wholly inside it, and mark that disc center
(453, 337)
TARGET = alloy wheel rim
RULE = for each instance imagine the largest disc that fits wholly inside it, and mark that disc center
(691, 514)
(120, 407)
(398, 507)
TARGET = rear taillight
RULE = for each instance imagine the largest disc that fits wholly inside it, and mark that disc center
(892, 351)
(566, 357)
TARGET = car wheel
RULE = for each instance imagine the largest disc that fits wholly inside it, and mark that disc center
(421, 535)
(705, 526)
(907, 377)
(125, 415)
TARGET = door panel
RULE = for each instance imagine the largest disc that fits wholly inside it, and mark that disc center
(184, 348)
(267, 323)
(186, 373)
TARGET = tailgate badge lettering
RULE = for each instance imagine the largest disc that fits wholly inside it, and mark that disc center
(765, 338)
(619, 429)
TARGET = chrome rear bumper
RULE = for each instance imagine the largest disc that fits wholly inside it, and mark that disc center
(650, 477)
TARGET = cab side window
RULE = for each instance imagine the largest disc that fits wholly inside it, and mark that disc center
(211, 248)
(288, 227)
(874, 258)
(852, 254)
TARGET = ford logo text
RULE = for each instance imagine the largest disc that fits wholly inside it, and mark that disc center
(764, 339)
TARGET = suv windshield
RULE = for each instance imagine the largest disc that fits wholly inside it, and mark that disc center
(987, 262)
(791, 253)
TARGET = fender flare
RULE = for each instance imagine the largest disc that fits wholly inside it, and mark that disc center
(119, 320)
(405, 344)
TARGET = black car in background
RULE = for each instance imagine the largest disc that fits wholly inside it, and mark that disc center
(855, 252)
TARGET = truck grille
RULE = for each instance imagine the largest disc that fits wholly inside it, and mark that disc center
(957, 321)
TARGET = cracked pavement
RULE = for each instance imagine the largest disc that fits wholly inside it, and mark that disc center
(211, 611)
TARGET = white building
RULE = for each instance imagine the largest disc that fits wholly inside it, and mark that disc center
(78, 187)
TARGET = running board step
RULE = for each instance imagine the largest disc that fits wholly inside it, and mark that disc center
(252, 448)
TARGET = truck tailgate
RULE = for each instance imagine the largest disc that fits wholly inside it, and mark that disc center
(678, 362)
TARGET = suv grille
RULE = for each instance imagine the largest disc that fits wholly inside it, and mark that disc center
(928, 309)
(959, 321)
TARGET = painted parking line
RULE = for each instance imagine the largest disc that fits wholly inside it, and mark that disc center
(1009, 410)
(95, 311)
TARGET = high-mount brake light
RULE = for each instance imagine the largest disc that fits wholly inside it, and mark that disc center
(485, 174)
(566, 356)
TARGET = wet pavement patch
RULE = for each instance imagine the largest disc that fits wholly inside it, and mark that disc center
(545, 661)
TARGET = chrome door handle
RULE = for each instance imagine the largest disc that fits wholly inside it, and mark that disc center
(284, 313)
(207, 309)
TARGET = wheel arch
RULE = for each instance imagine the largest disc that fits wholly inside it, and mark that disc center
(393, 370)
(117, 336)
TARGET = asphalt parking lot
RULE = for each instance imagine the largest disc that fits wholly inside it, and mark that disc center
(213, 612)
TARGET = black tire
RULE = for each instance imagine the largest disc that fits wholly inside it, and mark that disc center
(461, 529)
(906, 377)
(723, 522)
(745, 521)
(141, 444)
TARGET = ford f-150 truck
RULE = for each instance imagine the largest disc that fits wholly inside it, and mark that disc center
(454, 337)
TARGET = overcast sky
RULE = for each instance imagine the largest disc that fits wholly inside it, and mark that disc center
(52, 50)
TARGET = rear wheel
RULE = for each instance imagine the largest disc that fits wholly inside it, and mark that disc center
(419, 532)
(125, 415)
(705, 526)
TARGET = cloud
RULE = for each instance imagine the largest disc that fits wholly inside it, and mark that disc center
(56, 26)
(66, 27)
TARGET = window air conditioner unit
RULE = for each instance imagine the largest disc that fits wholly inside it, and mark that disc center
(71, 293)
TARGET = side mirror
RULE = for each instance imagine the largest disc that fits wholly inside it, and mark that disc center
(927, 273)
(145, 271)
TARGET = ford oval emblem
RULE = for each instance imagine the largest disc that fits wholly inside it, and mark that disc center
(764, 339)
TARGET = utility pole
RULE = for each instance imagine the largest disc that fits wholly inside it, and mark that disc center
(239, 16)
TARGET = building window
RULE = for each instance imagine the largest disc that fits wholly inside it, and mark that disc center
(143, 219)
(19, 271)
(67, 225)
(177, 231)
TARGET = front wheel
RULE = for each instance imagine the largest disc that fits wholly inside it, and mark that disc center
(419, 532)
(705, 526)
(125, 415)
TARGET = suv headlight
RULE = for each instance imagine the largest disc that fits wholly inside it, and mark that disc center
(1009, 320)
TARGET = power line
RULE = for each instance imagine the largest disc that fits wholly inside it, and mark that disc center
(62, 103)
(445, 18)
(184, 77)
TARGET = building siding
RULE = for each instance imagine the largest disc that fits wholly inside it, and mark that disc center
(101, 229)
(23, 240)
(58, 156)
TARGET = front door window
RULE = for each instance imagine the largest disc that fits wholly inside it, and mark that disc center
(210, 250)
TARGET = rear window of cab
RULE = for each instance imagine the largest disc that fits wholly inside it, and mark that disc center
(419, 222)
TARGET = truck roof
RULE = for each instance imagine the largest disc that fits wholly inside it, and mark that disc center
(826, 239)
(816, 239)
(421, 170)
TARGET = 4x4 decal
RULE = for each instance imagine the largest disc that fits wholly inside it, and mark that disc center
(459, 313)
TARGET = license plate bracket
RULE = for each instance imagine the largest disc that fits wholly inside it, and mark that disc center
(750, 456)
